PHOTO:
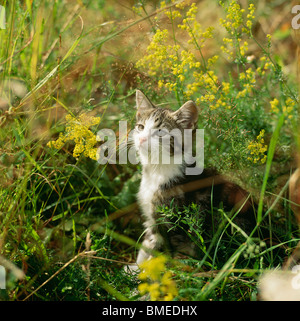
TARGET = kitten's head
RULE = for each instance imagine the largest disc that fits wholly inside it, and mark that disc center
(159, 131)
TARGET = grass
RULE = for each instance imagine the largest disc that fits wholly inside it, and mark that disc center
(69, 223)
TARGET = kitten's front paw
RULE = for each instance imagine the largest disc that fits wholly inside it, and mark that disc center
(131, 269)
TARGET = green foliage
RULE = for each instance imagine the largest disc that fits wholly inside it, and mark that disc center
(188, 221)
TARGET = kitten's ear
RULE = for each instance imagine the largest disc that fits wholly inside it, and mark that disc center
(142, 102)
(187, 115)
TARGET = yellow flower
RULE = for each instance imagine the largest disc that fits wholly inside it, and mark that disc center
(287, 108)
(250, 16)
(192, 11)
(160, 57)
(154, 291)
(274, 105)
(182, 4)
(157, 281)
(225, 87)
(77, 131)
(290, 104)
(211, 61)
(258, 149)
(175, 64)
(160, 83)
(181, 78)
(143, 288)
(173, 14)
(241, 93)
(234, 18)
(243, 48)
(236, 28)
(163, 4)
(152, 268)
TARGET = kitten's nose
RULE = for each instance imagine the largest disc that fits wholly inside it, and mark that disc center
(142, 140)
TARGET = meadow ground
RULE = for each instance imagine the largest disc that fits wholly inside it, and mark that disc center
(70, 68)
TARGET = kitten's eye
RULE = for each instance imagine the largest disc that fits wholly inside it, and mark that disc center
(160, 133)
(139, 127)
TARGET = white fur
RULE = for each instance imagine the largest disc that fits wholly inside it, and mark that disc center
(278, 285)
(153, 177)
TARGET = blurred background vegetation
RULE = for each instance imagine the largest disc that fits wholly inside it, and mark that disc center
(72, 57)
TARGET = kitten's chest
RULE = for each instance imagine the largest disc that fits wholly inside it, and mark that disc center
(150, 193)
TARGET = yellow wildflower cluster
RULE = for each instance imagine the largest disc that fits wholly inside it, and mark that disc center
(248, 80)
(181, 5)
(77, 131)
(219, 98)
(258, 149)
(264, 66)
(182, 71)
(234, 24)
(207, 80)
(250, 16)
(274, 105)
(176, 64)
(156, 280)
(171, 13)
(193, 27)
(235, 18)
(287, 108)
(161, 57)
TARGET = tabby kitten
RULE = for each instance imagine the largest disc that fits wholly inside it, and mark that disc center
(165, 184)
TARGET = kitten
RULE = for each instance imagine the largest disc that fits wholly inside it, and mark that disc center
(165, 184)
